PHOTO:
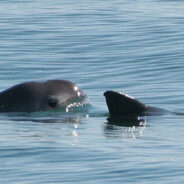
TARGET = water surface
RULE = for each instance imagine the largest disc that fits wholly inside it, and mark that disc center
(133, 47)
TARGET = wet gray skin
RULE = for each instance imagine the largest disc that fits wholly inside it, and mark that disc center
(40, 96)
(120, 104)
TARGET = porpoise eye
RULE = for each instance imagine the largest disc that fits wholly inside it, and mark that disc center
(53, 102)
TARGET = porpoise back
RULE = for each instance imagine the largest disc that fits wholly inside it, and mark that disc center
(120, 104)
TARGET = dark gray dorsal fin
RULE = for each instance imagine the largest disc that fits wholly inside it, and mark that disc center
(120, 104)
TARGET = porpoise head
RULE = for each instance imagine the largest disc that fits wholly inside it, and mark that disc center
(41, 96)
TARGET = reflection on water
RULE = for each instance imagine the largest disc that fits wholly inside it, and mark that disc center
(127, 121)
(125, 127)
(69, 118)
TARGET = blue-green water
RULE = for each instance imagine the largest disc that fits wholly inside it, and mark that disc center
(136, 47)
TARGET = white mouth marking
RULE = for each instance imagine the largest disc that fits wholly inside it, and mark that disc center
(82, 103)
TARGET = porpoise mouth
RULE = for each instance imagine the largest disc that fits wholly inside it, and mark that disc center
(77, 101)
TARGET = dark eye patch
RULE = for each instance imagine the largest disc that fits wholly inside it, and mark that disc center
(53, 102)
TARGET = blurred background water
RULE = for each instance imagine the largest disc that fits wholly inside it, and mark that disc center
(131, 46)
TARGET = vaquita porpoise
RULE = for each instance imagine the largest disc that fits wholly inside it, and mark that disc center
(51, 94)
(40, 96)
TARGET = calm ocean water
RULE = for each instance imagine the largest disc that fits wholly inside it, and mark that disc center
(131, 46)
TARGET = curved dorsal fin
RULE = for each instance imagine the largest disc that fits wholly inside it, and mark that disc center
(120, 104)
